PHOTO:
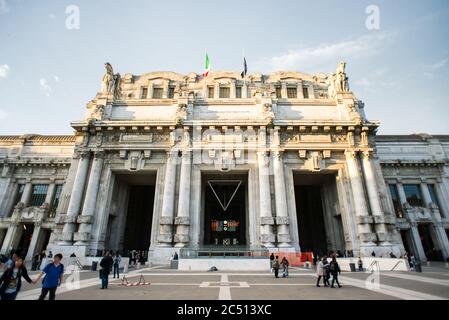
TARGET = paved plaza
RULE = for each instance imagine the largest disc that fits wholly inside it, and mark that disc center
(166, 284)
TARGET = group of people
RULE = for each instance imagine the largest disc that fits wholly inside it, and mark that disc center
(14, 270)
(325, 270)
(109, 262)
(276, 265)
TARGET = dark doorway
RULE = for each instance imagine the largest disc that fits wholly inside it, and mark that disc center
(139, 218)
(224, 212)
(405, 236)
(2, 236)
(432, 253)
(45, 240)
(25, 238)
(309, 212)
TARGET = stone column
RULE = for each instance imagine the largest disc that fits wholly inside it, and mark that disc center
(27, 192)
(244, 90)
(299, 90)
(282, 219)
(232, 90)
(421, 255)
(366, 236)
(417, 244)
(165, 236)
(216, 91)
(50, 192)
(75, 199)
(283, 90)
(374, 200)
(87, 217)
(34, 240)
(266, 218)
(426, 195)
(443, 200)
(441, 237)
(9, 205)
(10, 238)
(183, 219)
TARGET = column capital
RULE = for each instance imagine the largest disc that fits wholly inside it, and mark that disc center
(84, 154)
(262, 154)
(352, 154)
(99, 154)
(277, 154)
(367, 154)
(172, 154)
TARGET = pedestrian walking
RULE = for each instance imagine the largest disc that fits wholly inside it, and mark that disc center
(106, 266)
(334, 269)
(271, 261)
(117, 260)
(284, 264)
(53, 277)
(11, 280)
(12, 259)
(326, 272)
(360, 263)
(276, 266)
(320, 273)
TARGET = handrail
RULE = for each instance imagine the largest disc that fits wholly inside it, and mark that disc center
(392, 269)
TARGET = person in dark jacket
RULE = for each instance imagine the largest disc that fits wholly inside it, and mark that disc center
(326, 273)
(334, 269)
(11, 280)
(106, 266)
(276, 266)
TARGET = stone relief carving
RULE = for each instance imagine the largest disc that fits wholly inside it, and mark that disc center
(181, 113)
(98, 112)
(268, 113)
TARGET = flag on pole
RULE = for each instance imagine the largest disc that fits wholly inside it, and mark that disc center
(245, 68)
(206, 66)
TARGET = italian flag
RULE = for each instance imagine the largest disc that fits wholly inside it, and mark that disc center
(206, 66)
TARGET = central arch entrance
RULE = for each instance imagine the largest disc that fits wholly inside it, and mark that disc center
(225, 209)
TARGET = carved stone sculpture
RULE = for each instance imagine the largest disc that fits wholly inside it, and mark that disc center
(111, 82)
(108, 79)
(341, 83)
(98, 113)
(268, 113)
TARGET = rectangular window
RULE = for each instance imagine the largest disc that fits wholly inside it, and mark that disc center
(225, 92)
(305, 92)
(17, 197)
(144, 93)
(278, 92)
(38, 195)
(396, 201)
(55, 202)
(238, 92)
(171, 92)
(210, 92)
(157, 93)
(413, 195)
(292, 93)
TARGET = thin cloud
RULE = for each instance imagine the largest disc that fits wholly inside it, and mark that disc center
(4, 70)
(45, 86)
(4, 7)
(325, 55)
(56, 78)
(429, 70)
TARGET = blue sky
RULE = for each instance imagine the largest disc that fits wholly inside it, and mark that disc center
(48, 73)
